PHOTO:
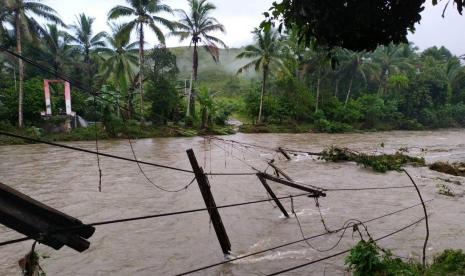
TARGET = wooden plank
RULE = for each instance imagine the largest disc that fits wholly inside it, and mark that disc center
(215, 217)
(41, 222)
(272, 194)
(292, 184)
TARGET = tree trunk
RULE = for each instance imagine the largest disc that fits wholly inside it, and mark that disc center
(349, 90)
(141, 75)
(336, 89)
(318, 82)
(89, 67)
(265, 73)
(20, 68)
(195, 66)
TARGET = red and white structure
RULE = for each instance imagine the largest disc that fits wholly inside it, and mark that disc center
(48, 103)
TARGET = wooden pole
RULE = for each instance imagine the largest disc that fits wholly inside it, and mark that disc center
(314, 190)
(279, 171)
(271, 193)
(215, 217)
(283, 152)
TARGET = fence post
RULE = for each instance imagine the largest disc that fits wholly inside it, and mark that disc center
(215, 217)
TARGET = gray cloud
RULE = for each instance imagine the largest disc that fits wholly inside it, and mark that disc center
(241, 16)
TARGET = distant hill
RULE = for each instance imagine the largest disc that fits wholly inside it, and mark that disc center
(208, 69)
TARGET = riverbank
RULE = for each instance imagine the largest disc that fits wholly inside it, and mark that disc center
(90, 133)
(138, 132)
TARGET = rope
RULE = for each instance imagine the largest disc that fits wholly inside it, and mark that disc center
(91, 152)
(345, 251)
(297, 241)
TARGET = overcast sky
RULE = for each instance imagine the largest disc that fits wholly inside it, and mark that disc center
(241, 16)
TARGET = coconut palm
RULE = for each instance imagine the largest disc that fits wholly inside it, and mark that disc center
(196, 25)
(119, 61)
(55, 49)
(86, 41)
(390, 59)
(352, 65)
(3, 16)
(142, 13)
(23, 14)
(266, 53)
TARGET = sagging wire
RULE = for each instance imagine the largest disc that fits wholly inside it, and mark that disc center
(141, 170)
(92, 152)
(309, 238)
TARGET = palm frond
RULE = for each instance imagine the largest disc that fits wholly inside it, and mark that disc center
(120, 11)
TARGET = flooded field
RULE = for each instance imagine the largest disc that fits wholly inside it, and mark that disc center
(68, 181)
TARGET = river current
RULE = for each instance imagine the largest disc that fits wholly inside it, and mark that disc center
(68, 181)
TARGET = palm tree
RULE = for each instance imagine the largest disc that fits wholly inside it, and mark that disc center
(23, 12)
(196, 26)
(119, 61)
(3, 16)
(317, 63)
(142, 13)
(390, 59)
(266, 53)
(353, 64)
(55, 48)
(86, 40)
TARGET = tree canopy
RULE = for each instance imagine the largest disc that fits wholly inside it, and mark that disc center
(352, 24)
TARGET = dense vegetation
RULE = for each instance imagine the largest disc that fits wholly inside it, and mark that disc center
(275, 84)
(367, 258)
(330, 24)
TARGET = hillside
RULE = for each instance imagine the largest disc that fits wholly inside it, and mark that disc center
(227, 66)
(221, 76)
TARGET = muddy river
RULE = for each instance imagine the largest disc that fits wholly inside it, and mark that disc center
(68, 181)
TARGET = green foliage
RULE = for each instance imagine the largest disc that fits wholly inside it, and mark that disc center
(323, 125)
(165, 101)
(449, 262)
(366, 259)
(333, 24)
(377, 162)
(33, 102)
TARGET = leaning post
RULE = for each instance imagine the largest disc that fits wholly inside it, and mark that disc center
(273, 195)
(215, 217)
(284, 153)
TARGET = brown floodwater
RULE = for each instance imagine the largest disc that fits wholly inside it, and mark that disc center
(68, 181)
